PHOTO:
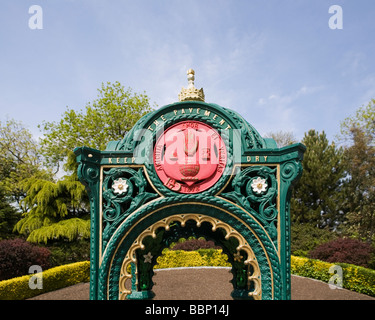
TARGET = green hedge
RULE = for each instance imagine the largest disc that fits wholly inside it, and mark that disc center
(355, 278)
(200, 257)
(53, 279)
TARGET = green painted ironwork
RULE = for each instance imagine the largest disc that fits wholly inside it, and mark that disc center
(120, 214)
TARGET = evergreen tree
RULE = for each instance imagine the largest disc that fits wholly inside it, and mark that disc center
(57, 211)
(8, 217)
(316, 197)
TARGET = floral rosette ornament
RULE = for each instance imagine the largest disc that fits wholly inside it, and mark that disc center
(120, 186)
(259, 185)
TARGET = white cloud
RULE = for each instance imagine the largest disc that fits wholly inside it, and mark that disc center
(282, 110)
(352, 63)
(368, 85)
(287, 99)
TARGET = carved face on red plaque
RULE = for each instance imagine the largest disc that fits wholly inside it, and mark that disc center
(190, 157)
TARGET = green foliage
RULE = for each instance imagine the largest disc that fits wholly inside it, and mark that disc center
(19, 159)
(57, 211)
(53, 279)
(8, 217)
(359, 191)
(309, 268)
(70, 229)
(355, 278)
(64, 252)
(315, 198)
(363, 119)
(107, 118)
(201, 257)
(358, 131)
(306, 237)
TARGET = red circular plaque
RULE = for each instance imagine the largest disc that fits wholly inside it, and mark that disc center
(190, 157)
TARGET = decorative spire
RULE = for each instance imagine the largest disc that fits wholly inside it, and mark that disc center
(191, 93)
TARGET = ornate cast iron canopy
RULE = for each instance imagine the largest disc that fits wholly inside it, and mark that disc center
(191, 168)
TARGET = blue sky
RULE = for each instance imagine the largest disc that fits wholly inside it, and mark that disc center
(276, 62)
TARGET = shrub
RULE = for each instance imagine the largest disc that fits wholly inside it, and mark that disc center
(17, 256)
(53, 279)
(306, 237)
(355, 278)
(344, 250)
(69, 252)
(309, 268)
(202, 257)
(194, 244)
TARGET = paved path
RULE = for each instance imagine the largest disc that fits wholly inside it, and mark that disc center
(209, 284)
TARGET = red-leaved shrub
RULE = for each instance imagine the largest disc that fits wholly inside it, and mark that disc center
(344, 250)
(195, 244)
(17, 256)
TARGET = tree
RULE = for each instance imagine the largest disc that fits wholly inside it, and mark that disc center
(57, 211)
(316, 197)
(20, 158)
(364, 119)
(305, 237)
(60, 210)
(282, 138)
(8, 217)
(359, 131)
(107, 118)
(360, 188)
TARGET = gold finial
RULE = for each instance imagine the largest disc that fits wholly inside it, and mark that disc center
(191, 78)
(191, 93)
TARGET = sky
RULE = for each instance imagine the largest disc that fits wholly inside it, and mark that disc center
(284, 65)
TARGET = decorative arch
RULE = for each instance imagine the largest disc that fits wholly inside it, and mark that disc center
(249, 200)
(131, 256)
(251, 237)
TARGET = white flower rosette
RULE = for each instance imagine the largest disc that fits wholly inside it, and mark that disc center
(120, 186)
(259, 185)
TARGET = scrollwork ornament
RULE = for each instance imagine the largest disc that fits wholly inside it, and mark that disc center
(88, 172)
(290, 171)
(123, 191)
(255, 188)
